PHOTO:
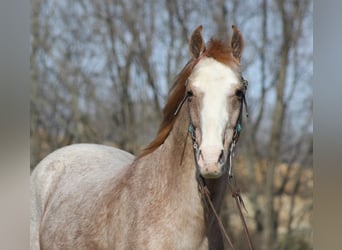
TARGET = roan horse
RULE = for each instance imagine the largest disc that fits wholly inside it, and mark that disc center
(88, 196)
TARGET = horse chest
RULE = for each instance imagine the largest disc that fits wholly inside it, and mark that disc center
(161, 221)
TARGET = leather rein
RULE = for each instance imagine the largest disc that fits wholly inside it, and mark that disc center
(231, 179)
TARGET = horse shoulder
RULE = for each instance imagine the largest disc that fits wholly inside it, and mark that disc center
(64, 175)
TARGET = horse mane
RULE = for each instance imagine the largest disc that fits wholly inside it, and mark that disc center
(216, 49)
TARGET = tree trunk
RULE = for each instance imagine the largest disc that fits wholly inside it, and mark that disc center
(270, 218)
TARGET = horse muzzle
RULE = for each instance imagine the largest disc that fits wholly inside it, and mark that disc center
(211, 162)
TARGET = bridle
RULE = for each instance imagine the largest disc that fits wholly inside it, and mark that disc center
(238, 127)
(236, 134)
(231, 179)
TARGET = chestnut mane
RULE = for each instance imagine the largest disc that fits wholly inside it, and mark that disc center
(216, 49)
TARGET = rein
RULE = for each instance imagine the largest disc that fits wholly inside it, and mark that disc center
(235, 190)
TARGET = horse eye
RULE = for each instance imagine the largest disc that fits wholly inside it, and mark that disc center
(239, 93)
(190, 93)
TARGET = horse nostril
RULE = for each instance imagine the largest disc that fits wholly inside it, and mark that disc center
(221, 156)
(199, 154)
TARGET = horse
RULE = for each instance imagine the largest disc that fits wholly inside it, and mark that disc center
(87, 196)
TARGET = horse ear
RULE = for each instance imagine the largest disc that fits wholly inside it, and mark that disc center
(237, 43)
(197, 45)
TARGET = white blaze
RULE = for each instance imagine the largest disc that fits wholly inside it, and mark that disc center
(215, 81)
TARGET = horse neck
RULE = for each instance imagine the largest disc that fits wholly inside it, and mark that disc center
(165, 182)
(175, 165)
(181, 166)
(173, 161)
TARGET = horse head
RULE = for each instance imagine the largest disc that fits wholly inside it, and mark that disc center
(215, 93)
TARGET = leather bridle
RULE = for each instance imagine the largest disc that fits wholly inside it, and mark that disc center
(237, 128)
